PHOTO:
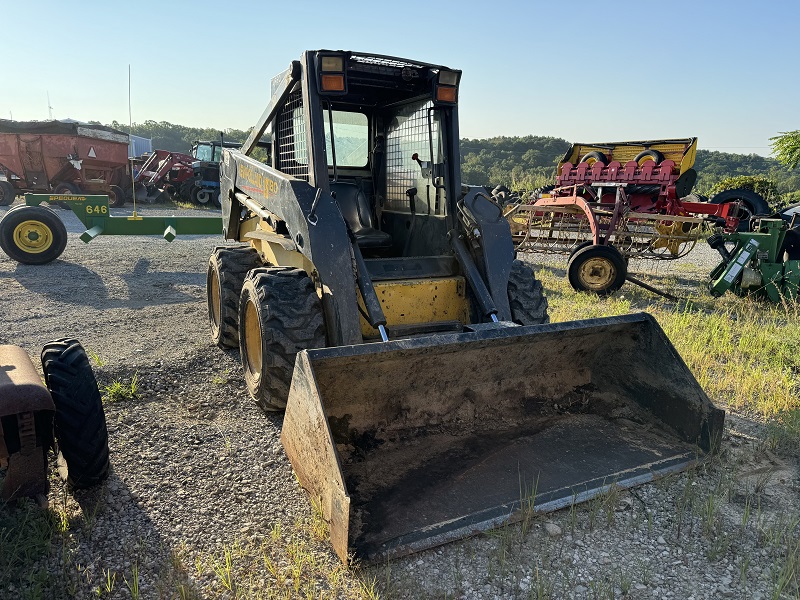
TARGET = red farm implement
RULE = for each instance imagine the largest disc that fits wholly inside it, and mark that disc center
(62, 158)
(616, 201)
(164, 172)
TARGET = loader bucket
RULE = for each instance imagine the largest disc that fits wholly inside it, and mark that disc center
(414, 443)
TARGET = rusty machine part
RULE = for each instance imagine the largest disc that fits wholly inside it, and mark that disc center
(66, 414)
(26, 426)
(378, 302)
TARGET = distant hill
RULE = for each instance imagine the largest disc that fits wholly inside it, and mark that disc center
(518, 162)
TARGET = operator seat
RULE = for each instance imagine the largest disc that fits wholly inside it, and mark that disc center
(355, 209)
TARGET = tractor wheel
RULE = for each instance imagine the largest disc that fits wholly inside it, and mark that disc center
(593, 157)
(32, 235)
(185, 190)
(752, 204)
(526, 296)
(7, 193)
(66, 188)
(597, 269)
(215, 199)
(227, 269)
(80, 423)
(116, 197)
(647, 155)
(279, 315)
(201, 195)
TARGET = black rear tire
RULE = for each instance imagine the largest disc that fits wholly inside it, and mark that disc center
(752, 204)
(32, 235)
(80, 423)
(280, 314)
(227, 268)
(116, 196)
(597, 269)
(66, 188)
(7, 193)
(526, 296)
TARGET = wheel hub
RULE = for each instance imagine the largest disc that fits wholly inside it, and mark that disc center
(597, 273)
(252, 339)
(33, 236)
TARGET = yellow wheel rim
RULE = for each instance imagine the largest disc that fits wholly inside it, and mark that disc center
(252, 339)
(597, 274)
(33, 237)
(215, 300)
(591, 161)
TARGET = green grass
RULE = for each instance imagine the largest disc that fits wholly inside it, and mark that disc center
(744, 353)
(118, 390)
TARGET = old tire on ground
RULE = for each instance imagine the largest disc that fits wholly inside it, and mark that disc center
(752, 204)
(526, 296)
(80, 423)
(597, 269)
(32, 235)
(593, 157)
(646, 155)
(116, 196)
(227, 269)
(7, 193)
(279, 315)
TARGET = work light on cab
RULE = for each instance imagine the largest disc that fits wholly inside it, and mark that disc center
(447, 87)
(332, 80)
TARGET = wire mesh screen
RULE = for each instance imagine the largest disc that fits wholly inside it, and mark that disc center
(292, 150)
(409, 134)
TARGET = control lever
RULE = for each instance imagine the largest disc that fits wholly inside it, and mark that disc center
(424, 166)
(412, 203)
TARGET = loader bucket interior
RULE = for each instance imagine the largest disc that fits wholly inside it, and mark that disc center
(413, 443)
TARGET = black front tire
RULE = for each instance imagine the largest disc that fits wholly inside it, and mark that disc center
(80, 422)
(32, 235)
(280, 314)
(7, 193)
(597, 269)
(227, 268)
(526, 296)
(648, 155)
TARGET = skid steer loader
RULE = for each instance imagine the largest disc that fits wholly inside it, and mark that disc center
(378, 301)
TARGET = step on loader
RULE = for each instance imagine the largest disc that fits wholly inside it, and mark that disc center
(377, 300)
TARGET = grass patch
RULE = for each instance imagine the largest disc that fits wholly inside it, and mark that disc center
(744, 353)
(118, 390)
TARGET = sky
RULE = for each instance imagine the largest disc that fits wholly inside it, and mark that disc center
(726, 72)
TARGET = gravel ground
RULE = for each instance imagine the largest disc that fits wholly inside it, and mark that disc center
(199, 475)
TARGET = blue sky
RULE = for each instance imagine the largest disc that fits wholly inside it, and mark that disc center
(726, 72)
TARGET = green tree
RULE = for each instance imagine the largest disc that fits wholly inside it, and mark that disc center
(787, 148)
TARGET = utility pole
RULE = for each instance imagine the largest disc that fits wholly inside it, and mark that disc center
(49, 108)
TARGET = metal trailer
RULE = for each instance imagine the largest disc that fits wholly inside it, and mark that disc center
(63, 158)
(35, 235)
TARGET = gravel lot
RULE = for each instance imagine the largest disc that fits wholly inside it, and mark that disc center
(199, 475)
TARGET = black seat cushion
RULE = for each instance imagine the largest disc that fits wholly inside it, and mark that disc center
(355, 209)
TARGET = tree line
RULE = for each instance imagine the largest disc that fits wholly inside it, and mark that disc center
(529, 162)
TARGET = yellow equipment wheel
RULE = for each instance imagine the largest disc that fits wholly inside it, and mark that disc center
(598, 269)
(32, 235)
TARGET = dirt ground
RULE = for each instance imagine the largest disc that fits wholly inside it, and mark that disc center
(200, 486)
